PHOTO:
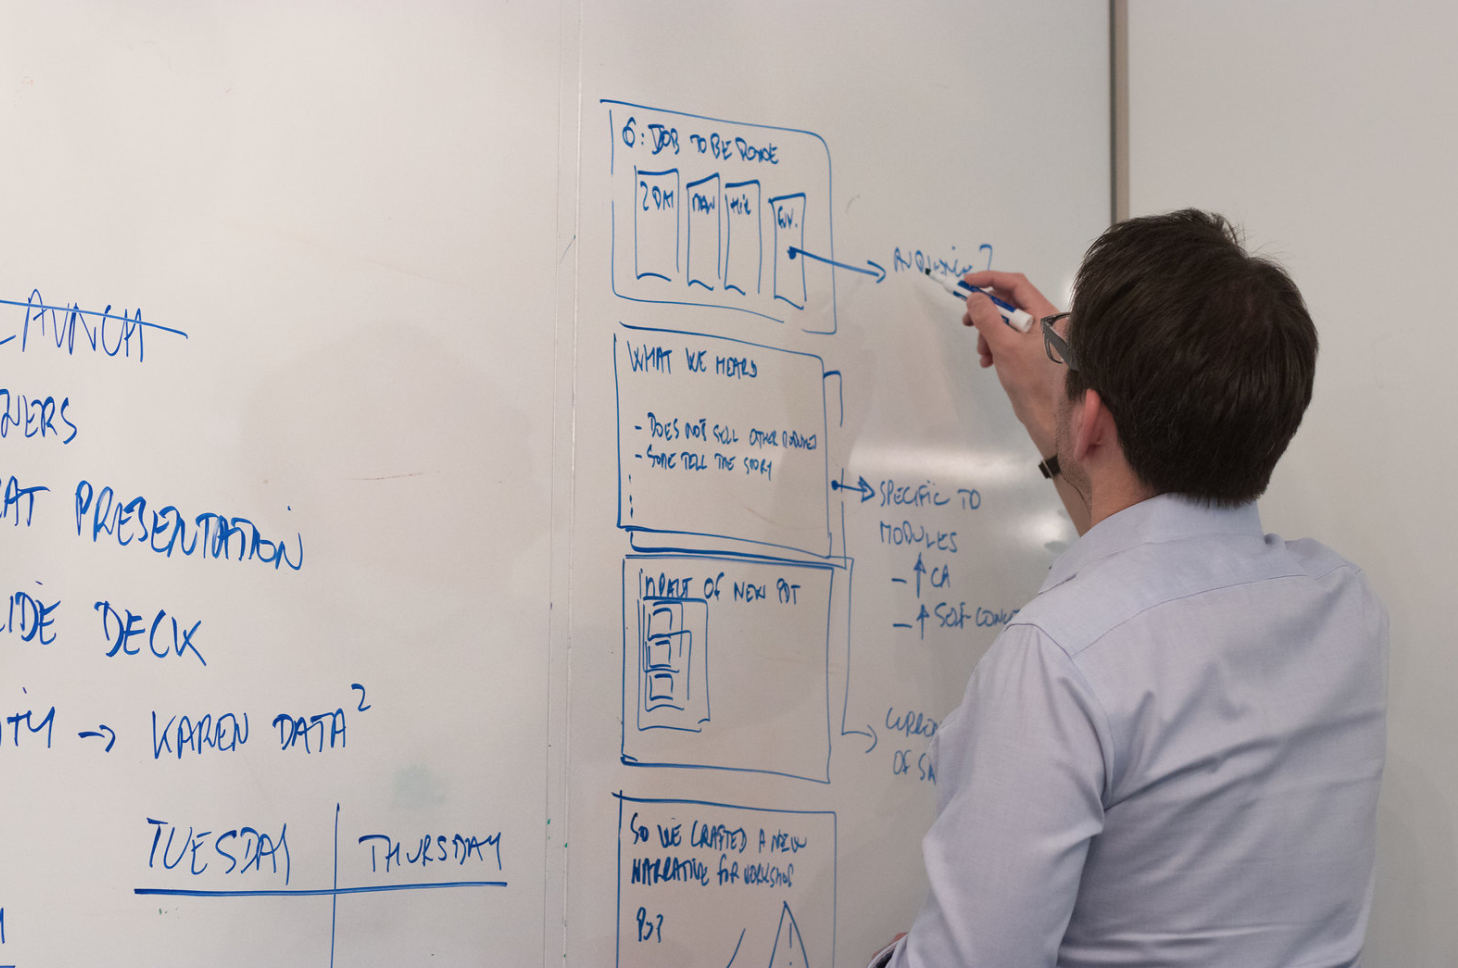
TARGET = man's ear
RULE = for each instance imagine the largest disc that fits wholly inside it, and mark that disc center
(1093, 425)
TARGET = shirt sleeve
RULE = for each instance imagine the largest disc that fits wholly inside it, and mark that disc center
(1021, 767)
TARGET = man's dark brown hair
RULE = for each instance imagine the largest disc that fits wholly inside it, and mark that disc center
(1204, 354)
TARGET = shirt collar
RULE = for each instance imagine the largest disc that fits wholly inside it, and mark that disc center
(1165, 517)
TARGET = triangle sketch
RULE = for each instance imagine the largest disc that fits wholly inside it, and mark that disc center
(789, 950)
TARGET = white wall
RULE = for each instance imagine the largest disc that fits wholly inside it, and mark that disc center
(1329, 131)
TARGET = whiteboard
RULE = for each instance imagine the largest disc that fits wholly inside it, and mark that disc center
(360, 614)
(1327, 131)
(800, 510)
(345, 290)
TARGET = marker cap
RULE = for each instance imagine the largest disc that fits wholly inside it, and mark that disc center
(1018, 320)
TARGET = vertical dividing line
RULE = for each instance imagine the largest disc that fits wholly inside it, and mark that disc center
(567, 616)
(1119, 109)
(573, 107)
(334, 899)
(1113, 111)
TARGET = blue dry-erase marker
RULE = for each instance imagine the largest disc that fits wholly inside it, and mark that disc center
(1012, 315)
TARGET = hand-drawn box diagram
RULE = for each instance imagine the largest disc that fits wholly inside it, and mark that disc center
(656, 226)
(726, 664)
(719, 213)
(673, 663)
(712, 884)
(721, 444)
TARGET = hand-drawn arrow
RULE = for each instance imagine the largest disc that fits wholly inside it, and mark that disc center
(875, 269)
(110, 734)
(864, 487)
(868, 731)
(920, 570)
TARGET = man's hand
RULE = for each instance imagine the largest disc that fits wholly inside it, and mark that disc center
(1033, 382)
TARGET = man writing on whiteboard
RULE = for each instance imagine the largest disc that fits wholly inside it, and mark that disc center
(1171, 757)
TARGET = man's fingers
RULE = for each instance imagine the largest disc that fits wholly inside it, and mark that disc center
(984, 352)
(1016, 289)
(1009, 283)
(980, 311)
(992, 331)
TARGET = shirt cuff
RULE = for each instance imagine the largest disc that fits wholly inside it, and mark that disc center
(883, 957)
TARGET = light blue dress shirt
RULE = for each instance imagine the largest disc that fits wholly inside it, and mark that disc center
(1170, 758)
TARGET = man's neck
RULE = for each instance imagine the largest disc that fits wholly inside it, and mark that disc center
(1110, 496)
